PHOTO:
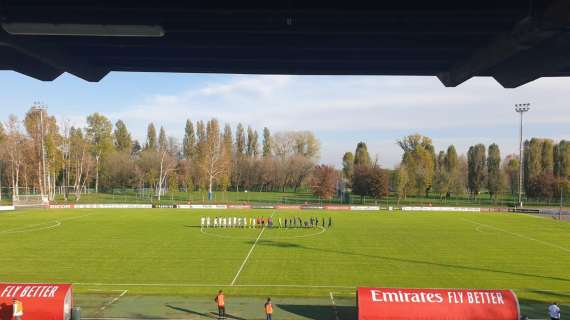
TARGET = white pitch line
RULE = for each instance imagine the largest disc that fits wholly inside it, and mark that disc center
(334, 306)
(190, 285)
(24, 230)
(249, 253)
(247, 257)
(114, 300)
(518, 235)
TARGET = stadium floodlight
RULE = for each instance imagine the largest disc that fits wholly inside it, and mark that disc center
(521, 108)
(89, 30)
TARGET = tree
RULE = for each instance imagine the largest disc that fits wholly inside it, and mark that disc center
(369, 181)
(122, 137)
(80, 161)
(266, 142)
(151, 137)
(215, 162)
(511, 167)
(201, 155)
(189, 141)
(361, 156)
(240, 146)
(378, 182)
(99, 134)
(494, 177)
(419, 161)
(476, 168)
(347, 166)
(324, 182)
(13, 144)
(162, 140)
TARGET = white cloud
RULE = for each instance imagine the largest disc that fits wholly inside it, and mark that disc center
(344, 110)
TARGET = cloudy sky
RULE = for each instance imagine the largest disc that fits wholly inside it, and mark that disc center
(340, 110)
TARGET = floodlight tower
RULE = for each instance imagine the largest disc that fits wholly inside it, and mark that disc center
(521, 108)
(41, 108)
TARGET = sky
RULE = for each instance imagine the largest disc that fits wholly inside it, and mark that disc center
(340, 110)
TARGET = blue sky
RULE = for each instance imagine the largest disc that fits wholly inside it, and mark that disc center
(341, 110)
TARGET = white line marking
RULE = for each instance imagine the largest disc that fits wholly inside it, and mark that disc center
(334, 306)
(114, 300)
(518, 235)
(212, 285)
(249, 253)
(24, 228)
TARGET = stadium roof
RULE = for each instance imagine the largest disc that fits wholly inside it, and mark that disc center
(514, 41)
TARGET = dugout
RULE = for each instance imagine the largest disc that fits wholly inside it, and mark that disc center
(40, 301)
(436, 304)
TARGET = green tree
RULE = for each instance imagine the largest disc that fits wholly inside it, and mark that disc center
(361, 156)
(494, 177)
(189, 141)
(347, 166)
(266, 142)
(122, 137)
(162, 140)
(476, 168)
(99, 134)
(240, 140)
(151, 137)
(511, 167)
(419, 161)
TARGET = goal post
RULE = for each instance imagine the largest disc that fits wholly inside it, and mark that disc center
(30, 201)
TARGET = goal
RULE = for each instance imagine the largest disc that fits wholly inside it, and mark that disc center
(30, 201)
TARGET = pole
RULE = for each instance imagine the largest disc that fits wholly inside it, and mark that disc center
(521, 108)
(521, 155)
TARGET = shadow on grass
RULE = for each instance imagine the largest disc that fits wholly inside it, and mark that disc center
(211, 315)
(320, 312)
(273, 243)
(438, 264)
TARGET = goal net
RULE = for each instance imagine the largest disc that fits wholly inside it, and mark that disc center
(30, 201)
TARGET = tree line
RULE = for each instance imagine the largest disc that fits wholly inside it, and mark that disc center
(422, 171)
(38, 155)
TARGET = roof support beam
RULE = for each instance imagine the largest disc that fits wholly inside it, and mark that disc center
(530, 33)
(54, 57)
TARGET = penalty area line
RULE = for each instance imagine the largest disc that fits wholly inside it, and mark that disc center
(517, 235)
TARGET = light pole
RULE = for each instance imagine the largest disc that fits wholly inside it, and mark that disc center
(38, 107)
(521, 108)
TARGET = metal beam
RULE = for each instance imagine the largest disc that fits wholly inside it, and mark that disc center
(53, 56)
(543, 60)
(529, 33)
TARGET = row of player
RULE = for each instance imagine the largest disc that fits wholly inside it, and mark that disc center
(261, 222)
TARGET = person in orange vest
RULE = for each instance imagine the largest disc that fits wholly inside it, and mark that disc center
(17, 309)
(268, 309)
(221, 304)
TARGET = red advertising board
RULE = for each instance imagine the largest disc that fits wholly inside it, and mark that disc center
(39, 301)
(432, 304)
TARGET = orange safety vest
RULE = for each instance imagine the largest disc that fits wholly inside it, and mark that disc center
(220, 300)
(268, 308)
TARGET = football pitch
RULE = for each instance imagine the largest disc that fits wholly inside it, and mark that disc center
(120, 259)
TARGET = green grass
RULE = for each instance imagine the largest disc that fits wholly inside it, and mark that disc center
(164, 252)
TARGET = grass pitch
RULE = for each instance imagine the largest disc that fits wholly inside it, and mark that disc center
(165, 252)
